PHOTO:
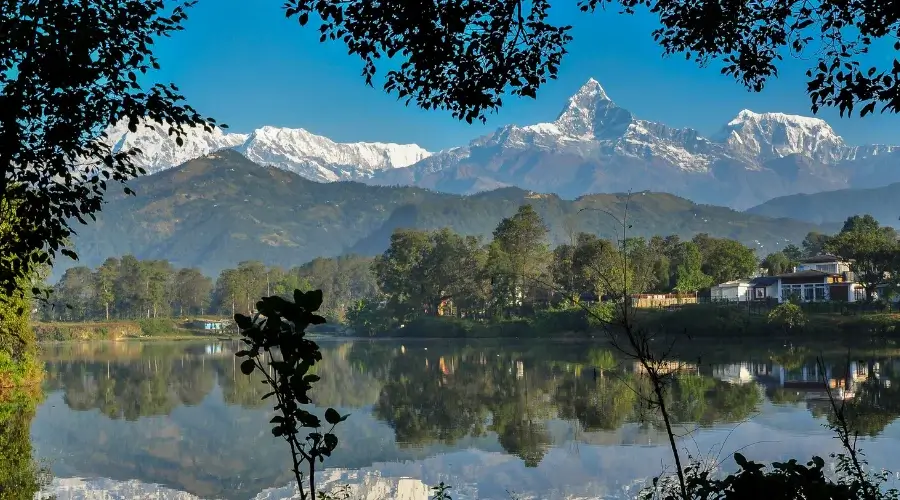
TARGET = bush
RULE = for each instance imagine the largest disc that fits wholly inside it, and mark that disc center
(788, 316)
(157, 327)
(703, 319)
(602, 314)
(553, 321)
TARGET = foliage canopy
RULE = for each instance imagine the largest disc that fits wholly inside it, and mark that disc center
(463, 55)
(68, 69)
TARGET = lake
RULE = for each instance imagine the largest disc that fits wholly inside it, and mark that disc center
(496, 420)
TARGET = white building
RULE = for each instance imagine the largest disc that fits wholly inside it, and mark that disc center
(731, 291)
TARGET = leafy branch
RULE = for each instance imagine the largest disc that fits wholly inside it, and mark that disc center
(278, 348)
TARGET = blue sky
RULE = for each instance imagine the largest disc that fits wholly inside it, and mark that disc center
(249, 67)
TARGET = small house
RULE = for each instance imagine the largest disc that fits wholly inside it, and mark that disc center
(209, 325)
(817, 279)
(731, 291)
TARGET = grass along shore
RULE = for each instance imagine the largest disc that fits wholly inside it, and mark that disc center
(160, 328)
(698, 321)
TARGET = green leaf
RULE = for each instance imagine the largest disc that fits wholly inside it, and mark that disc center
(331, 441)
(741, 461)
(243, 322)
(332, 416)
(247, 366)
(311, 378)
(241, 354)
(311, 301)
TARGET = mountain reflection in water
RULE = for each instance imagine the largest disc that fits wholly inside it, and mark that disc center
(549, 419)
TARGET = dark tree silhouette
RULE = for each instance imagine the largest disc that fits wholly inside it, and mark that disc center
(68, 69)
(462, 55)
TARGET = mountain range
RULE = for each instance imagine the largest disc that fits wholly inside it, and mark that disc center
(593, 146)
(218, 210)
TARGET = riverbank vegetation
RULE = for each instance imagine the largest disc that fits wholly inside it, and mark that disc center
(153, 328)
(443, 284)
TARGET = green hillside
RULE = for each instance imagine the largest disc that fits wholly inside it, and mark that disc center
(219, 210)
(883, 203)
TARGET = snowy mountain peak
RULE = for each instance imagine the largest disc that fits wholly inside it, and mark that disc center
(591, 113)
(764, 136)
(746, 116)
(592, 90)
(297, 150)
(159, 150)
(321, 159)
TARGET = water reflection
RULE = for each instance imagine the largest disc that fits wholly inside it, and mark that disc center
(21, 476)
(183, 415)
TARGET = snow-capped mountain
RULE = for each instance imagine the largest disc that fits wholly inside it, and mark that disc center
(159, 150)
(595, 145)
(297, 150)
(758, 137)
(321, 159)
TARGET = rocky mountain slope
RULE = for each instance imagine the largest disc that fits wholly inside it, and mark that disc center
(295, 150)
(596, 145)
(883, 203)
(218, 210)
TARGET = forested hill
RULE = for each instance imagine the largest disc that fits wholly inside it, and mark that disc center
(222, 209)
(883, 203)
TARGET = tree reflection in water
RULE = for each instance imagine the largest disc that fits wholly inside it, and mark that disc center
(445, 393)
(21, 476)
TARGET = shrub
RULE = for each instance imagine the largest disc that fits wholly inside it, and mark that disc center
(788, 316)
(155, 327)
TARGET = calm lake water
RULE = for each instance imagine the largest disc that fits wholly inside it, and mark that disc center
(493, 419)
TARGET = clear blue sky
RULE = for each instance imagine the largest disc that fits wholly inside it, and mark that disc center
(249, 66)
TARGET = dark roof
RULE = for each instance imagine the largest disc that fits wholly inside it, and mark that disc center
(812, 273)
(764, 281)
(821, 259)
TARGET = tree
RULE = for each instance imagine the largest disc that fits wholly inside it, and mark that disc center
(463, 56)
(689, 276)
(861, 223)
(641, 262)
(726, 260)
(398, 264)
(228, 290)
(17, 340)
(69, 69)
(562, 268)
(814, 244)
(870, 248)
(520, 252)
(792, 252)
(252, 282)
(105, 283)
(600, 266)
(156, 292)
(128, 287)
(192, 290)
(777, 263)
(76, 290)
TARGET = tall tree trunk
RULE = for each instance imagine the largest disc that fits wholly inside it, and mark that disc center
(107, 310)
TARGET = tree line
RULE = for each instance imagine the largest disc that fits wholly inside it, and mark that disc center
(429, 273)
(517, 272)
(130, 288)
